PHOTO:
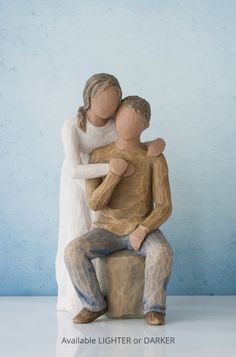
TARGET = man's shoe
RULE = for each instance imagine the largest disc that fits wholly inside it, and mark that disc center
(85, 315)
(155, 318)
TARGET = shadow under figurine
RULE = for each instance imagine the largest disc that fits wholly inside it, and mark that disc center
(132, 201)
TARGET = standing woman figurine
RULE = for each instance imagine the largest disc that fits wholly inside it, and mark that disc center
(93, 127)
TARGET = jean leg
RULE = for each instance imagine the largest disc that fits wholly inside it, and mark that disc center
(158, 266)
(78, 259)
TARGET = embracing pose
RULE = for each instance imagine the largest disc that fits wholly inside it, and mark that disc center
(130, 211)
(92, 128)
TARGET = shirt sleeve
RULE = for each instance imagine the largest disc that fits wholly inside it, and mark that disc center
(99, 190)
(76, 169)
(161, 195)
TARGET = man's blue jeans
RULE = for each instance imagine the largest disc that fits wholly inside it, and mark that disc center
(80, 252)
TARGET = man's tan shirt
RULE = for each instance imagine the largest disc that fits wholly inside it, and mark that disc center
(123, 203)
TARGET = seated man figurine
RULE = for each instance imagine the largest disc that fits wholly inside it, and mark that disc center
(132, 201)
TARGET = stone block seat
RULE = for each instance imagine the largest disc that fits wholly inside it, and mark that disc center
(121, 279)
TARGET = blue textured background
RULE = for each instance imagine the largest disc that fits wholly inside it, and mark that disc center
(180, 55)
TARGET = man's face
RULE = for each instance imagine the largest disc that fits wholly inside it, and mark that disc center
(129, 123)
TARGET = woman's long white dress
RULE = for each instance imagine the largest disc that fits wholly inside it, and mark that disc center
(75, 216)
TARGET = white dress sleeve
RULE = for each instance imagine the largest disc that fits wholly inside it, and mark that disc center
(75, 168)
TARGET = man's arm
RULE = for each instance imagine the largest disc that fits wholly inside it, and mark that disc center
(161, 196)
(162, 200)
(99, 191)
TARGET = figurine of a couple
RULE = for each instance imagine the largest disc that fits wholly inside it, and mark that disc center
(114, 195)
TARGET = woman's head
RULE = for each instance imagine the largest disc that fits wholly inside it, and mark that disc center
(102, 93)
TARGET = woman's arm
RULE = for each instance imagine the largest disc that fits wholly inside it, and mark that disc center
(76, 169)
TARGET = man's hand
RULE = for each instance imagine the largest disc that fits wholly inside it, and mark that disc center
(121, 167)
(137, 237)
(156, 147)
(118, 166)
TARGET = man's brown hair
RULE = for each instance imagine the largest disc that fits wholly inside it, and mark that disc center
(139, 105)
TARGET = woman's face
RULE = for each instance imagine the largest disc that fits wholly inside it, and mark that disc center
(105, 103)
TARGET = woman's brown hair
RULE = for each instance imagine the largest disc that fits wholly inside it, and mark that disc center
(95, 84)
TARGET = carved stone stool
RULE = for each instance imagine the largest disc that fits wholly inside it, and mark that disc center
(121, 279)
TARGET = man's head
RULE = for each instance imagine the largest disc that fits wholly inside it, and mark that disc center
(132, 117)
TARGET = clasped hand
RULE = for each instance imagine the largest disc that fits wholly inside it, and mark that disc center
(121, 167)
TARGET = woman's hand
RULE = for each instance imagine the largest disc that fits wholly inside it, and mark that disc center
(121, 167)
(156, 147)
(129, 171)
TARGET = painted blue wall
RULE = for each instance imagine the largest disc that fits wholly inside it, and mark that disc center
(180, 55)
